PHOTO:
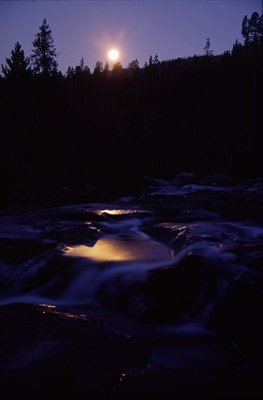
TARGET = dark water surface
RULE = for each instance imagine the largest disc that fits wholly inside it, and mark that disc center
(158, 294)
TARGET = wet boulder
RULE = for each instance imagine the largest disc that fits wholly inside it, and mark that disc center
(185, 288)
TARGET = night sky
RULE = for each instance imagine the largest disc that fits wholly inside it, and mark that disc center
(137, 28)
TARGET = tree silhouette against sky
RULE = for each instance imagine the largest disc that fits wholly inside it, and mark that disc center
(44, 52)
(17, 65)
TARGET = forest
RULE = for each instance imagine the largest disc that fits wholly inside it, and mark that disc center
(111, 128)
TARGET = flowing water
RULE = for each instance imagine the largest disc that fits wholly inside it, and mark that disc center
(170, 265)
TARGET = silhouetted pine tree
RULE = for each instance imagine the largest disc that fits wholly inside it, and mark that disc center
(252, 28)
(82, 64)
(106, 68)
(117, 66)
(156, 60)
(237, 46)
(44, 52)
(207, 50)
(134, 64)
(70, 72)
(98, 68)
(17, 65)
(82, 69)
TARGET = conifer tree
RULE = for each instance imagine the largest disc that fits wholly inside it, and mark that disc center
(134, 64)
(98, 67)
(207, 50)
(82, 69)
(117, 66)
(44, 52)
(17, 65)
(156, 60)
(106, 68)
(82, 64)
(70, 72)
(252, 28)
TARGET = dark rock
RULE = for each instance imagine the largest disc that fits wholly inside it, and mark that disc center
(61, 353)
(239, 319)
(19, 250)
(153, 382)
(183, 288)
(68, 232)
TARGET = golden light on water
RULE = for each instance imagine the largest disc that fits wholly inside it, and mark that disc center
(129, 248)
(119, 211)
(47, 305)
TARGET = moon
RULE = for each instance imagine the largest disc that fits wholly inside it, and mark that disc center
(113, 54)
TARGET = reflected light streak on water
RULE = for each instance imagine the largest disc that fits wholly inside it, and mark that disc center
(129, 248)
(118, 211)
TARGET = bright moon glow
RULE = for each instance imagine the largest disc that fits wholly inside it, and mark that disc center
(113, 54)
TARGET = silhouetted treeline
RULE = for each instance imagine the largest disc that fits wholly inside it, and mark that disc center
(201, 113)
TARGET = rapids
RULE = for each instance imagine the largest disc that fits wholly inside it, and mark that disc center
(179, 265)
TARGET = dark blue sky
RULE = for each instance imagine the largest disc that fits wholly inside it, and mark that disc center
(175, 28)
